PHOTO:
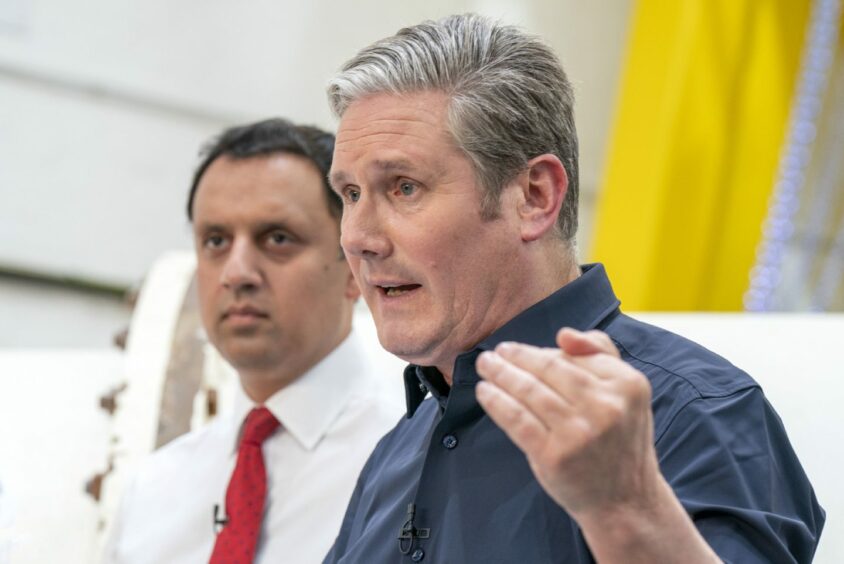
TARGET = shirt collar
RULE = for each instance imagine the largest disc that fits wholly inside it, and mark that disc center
(582, 304)
(308, 406)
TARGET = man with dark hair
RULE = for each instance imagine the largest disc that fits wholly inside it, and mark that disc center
(266, 137)
(608, 440)
(269, 482)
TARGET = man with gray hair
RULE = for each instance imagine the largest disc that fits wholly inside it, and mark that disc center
(559, 429)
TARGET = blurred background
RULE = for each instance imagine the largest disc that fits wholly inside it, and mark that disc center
(104, 106)
(711, 142)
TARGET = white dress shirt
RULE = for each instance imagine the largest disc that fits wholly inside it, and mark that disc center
(331, 419)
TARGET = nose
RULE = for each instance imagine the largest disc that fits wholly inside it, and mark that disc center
(363, 231)
(241, 271)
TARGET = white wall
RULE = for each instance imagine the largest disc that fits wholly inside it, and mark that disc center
(103, 104)
(45, 316)
(53, 439)
(795, 358)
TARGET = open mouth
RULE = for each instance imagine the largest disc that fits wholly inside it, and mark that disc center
(394, 291)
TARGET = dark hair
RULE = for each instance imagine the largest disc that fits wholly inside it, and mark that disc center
(275, 135)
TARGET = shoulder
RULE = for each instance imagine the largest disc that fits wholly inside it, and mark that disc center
(680, 371)
(210, 441)
(368, 411)
(373, 397)
(662, 353)
(366, 406)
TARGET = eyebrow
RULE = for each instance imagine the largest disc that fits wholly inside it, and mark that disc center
(335, 178)
(393, 165)
(382, 166)
(260, 227)
(201, 227)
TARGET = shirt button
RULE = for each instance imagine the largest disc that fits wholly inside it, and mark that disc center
(417, 555)
(449, 441)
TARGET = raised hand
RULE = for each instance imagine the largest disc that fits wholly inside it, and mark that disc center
(583, 418)
(580, 414)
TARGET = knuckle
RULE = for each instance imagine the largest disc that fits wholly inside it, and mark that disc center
(521, 425)
(550, 362)
(578, 377)
(523, 385)
(604, 342)
(547, 403)
(636, 384)
(644, 390)
(606, 364)
(514, 417)
(614, 407)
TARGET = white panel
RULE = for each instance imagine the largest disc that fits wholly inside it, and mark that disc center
(14, 17)
(796, 359)
(53, 438)
(42, 316)
(91, 189)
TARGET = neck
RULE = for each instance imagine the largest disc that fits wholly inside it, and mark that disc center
(549, 275)
(261, 382)
(259, 385)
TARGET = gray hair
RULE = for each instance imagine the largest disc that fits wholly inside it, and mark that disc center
(510, 100)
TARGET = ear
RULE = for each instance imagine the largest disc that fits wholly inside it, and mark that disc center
(544, 185)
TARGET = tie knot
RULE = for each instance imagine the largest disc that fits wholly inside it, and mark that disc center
(260, 424)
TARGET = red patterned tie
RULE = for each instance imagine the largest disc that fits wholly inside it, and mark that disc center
(245, 496)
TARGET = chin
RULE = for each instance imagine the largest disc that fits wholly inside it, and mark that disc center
(249, 358)
(413, 348)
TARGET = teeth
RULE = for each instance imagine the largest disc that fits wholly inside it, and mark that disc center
(395, 291)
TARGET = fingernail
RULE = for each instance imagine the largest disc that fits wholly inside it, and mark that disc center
(486, 358)
(506, 347)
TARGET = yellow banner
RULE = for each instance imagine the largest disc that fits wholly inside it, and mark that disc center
(693, 155)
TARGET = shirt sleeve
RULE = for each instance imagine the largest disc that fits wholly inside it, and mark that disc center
(730, 463)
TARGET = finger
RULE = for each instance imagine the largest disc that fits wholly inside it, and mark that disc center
(550, 366)
(580, 343)
(517, 422)
(544, 402)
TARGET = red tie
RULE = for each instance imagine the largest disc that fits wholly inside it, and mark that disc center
(245, 496)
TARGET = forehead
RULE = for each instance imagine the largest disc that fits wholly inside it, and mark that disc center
(259, 187)
(389, 131)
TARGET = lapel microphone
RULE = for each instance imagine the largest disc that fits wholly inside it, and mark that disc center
(220, 521)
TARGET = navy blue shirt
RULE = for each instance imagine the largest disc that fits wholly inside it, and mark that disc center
(457, 490)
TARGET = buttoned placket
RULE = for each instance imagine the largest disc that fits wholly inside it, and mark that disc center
(457, 410)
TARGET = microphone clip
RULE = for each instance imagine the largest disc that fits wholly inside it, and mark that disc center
(220, 521)
(408, 532)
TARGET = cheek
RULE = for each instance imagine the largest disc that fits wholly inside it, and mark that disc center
(464, 272)
(313, 287)
(205, 291)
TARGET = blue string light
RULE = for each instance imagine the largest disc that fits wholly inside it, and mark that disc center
(822, 39)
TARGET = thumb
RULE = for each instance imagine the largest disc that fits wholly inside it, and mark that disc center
(580, 343)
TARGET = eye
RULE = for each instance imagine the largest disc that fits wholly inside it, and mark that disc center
(277, 238)
(214, 241)
(352, 194)
(407, 188)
